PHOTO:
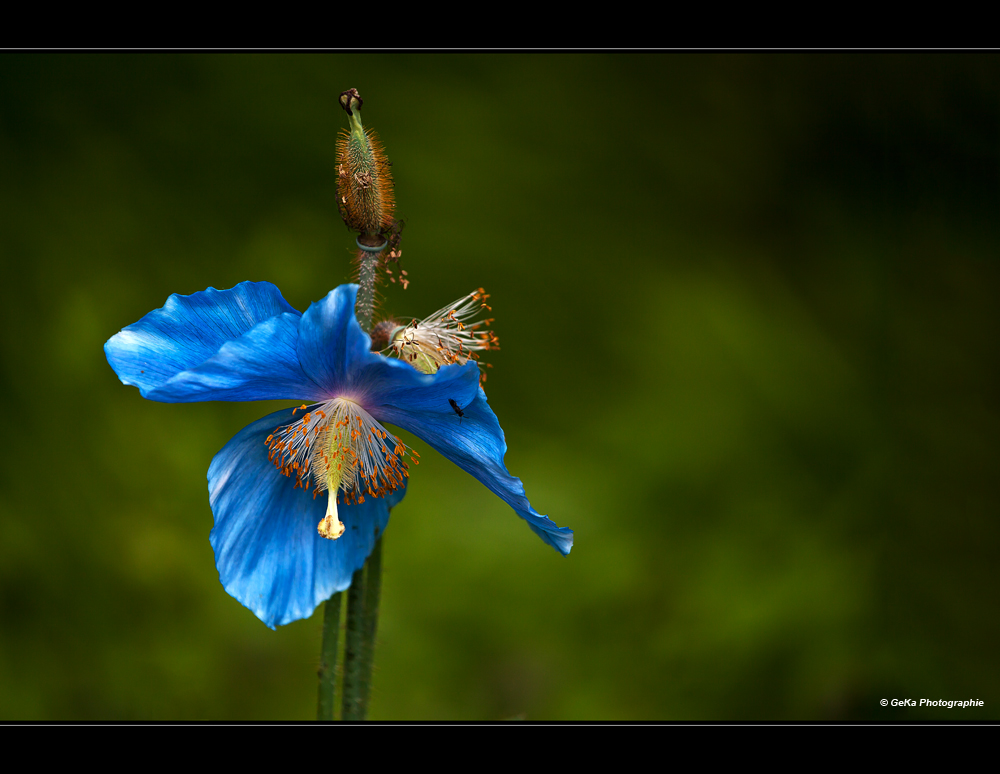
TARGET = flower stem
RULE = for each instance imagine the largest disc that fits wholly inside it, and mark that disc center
(373, 590)
(328, 657)
(368, 263)
(354, 647)
(359, 646)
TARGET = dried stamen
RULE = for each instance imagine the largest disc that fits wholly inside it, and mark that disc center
(446, 336)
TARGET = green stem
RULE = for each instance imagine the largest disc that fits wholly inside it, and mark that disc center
(328, 657)
(367, 278)
(354, 647)
(373, 590)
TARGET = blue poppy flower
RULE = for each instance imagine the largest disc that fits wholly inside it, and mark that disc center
(300, 496)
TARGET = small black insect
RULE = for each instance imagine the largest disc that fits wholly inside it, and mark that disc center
(456, 409)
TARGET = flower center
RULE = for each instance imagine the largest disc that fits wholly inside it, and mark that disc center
(340, 449)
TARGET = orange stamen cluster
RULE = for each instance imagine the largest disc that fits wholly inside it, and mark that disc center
(338, 446)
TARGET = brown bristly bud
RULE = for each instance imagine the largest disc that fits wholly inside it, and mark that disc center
(364, 180)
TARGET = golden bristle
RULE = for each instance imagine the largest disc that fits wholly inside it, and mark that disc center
(364, 183)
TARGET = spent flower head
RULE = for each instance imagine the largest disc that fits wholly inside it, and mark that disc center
(449, 336)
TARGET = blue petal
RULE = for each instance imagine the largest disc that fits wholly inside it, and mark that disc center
(260, 365)
(268, 552)
(476, 444)
(400, 387)
(331, 343)
(336, 353)
(236, 344)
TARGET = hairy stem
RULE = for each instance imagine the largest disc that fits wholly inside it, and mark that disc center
(328, 657)
(354, 646)
(373, 590)
(368, 262)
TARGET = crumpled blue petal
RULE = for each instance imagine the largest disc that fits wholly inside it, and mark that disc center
(267, 550)
(331, 342)
(476, 444)
(336, 354)
(237, 344)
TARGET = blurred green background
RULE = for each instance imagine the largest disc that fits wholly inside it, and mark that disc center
(748, 310)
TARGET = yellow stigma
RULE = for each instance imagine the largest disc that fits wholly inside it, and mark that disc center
(340, 449)
(331, 526)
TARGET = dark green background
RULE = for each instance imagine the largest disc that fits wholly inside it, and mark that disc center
(748, 310)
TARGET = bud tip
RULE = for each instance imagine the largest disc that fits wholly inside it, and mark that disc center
(351, 99)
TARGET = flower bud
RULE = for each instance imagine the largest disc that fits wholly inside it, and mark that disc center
(364, 181)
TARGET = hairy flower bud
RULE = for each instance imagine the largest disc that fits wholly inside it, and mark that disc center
(364, 181)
